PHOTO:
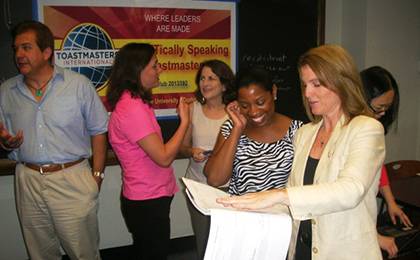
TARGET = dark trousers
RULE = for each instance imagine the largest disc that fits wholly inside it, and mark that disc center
(304, 241)
(201, 226)
(149, 224)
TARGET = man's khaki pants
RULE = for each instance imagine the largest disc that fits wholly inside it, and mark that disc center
(58, 208)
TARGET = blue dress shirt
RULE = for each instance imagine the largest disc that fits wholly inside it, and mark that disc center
(59, 127)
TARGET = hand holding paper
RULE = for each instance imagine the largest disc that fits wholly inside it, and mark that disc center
(256, 201)
(236, 234)
(205, 198)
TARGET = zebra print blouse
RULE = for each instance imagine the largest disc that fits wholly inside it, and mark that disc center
(260, 166)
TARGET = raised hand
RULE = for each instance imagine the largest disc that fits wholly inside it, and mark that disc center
(234, 113)
(8, 141)
(183, 110)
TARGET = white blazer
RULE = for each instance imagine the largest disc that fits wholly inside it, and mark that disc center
(342, 202)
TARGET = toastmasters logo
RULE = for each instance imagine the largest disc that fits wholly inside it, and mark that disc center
(89, 50)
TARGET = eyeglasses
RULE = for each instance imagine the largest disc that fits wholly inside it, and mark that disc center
(380, 109)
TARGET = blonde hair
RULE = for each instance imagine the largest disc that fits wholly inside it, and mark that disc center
(336, 70)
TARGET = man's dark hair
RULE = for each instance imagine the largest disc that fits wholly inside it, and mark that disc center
(43, 34)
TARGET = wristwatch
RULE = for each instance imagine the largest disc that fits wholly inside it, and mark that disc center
(99, 174)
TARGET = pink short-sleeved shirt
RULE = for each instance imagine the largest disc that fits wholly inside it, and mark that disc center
(143, 179)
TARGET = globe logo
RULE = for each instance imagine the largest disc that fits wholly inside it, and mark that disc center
(87, 49)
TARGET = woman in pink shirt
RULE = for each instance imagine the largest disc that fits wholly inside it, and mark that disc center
(148, 178)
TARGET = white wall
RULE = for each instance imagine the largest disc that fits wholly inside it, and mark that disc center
(385, 33)
(393, 41)
(354, 29)
(11, 242)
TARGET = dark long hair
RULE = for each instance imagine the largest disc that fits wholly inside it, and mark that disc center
(129, 62)
(226, 77)
(377, 81)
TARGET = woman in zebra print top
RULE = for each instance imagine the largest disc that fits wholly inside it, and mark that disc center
(254, 147)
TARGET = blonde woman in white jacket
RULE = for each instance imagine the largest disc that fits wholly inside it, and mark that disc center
(331, 192)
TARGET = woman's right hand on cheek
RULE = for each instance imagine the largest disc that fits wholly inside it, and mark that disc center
(234, 113)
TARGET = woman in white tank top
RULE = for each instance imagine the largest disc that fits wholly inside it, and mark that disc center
(214, 81)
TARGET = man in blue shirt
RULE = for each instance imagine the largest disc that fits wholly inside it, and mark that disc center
(52, 121)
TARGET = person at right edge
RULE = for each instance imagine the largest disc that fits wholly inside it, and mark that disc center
(382, 95)
(331, 192)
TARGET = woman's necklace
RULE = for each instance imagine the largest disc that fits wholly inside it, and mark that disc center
(323, 137)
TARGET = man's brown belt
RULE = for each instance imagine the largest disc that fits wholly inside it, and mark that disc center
(51, 167)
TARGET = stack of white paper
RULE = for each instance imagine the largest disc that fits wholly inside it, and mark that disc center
(241, 234)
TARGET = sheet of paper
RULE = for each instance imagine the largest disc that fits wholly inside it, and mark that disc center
(203, 197)
(248, 235)
(236, 234)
